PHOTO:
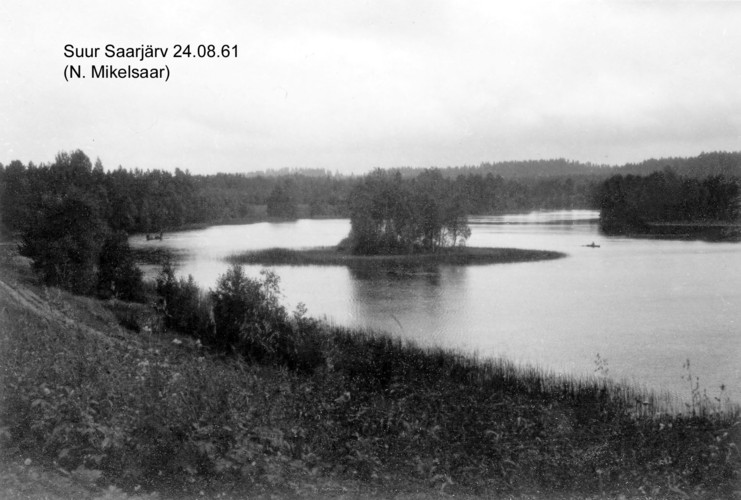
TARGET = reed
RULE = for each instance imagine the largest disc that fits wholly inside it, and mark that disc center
(332, 256)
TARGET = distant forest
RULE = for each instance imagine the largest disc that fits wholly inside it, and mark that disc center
(630, 203)
(155, 200)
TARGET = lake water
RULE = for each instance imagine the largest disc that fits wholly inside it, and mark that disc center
(646, 306)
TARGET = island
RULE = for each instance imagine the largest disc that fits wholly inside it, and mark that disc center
(339, 256)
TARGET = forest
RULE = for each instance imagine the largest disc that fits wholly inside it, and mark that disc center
(155, 200)
(137, 201)
(630, 203)
(705, 164)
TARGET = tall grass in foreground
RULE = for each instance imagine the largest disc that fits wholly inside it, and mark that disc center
(160, 410)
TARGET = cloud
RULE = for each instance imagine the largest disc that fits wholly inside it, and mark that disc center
(353, 85)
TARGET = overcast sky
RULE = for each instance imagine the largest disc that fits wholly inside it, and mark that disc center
(351, 85)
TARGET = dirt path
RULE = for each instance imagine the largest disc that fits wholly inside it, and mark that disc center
(19, 481)
(46, 308)
(28, 300)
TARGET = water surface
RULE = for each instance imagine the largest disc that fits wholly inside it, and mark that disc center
(644, 305)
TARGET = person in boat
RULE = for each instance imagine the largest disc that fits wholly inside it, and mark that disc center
(154, 236)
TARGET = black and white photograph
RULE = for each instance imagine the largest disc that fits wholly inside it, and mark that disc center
(370, 249)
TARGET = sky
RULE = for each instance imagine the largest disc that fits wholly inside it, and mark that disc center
(353, 85)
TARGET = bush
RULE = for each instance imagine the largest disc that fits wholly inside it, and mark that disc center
(244, 316)
(186, 309)
(247, 314)
(249, 320)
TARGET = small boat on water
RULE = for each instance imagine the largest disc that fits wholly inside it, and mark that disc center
(592, 245)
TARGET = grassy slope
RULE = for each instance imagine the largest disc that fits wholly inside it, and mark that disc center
(379, 420)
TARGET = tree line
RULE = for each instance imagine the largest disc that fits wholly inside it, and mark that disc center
(631, 202)
(155, 200)
(703, 165)
(716, 163)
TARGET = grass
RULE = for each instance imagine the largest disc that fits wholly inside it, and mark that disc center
(155, 411)
(332, 256)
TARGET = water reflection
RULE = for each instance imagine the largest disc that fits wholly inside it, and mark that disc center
(398, 272)
(422, 304)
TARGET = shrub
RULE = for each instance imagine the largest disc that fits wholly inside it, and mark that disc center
(186, 309)
(244, 316)
(247, 314)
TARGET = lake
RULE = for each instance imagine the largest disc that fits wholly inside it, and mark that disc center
(644, 305)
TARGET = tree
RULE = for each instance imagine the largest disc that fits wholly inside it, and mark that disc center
(391, 215)
(14, 203)
(118, 274)
(632, 202)
(281, 202)
(64, 242)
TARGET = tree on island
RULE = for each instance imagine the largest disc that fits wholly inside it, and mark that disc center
(390, 215)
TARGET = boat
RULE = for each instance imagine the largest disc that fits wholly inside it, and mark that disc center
(592, 245)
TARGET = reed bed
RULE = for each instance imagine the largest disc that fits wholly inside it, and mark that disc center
(332, 256)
